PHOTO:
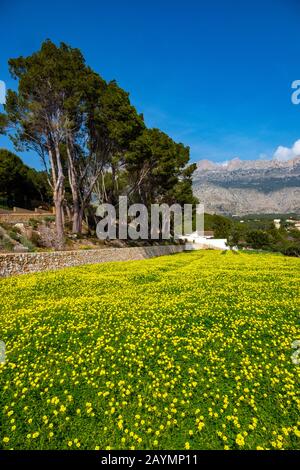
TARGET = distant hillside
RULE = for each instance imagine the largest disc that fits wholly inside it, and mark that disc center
(249, 187)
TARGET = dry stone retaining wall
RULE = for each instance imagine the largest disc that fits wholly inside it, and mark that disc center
(21, 263)
(16, 218)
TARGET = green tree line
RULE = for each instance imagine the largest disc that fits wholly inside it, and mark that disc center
(89, 137)
(20, 185)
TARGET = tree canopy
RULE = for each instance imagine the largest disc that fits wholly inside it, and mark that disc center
(89, 137)
(20, 185)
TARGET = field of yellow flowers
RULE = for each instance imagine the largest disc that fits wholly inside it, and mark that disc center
(190, 351)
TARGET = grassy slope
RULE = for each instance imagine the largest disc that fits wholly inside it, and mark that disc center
(191, 350)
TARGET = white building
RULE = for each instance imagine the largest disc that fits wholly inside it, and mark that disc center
(205, 241)
(295, 223)
(277, 223)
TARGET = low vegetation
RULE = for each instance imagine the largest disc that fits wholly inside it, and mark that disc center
(257, 233)
(188, 351)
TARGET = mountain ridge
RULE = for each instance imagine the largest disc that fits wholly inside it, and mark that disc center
(242, 187)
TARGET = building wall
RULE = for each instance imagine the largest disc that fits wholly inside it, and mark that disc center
(200, 243)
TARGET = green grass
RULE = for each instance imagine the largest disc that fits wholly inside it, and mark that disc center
(185, 351)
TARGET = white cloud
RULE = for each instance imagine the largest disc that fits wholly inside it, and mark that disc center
(283, 154)
(296, 148)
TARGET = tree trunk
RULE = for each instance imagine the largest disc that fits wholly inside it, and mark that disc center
(58, 195)
(59, 223)
(68, 211)
(73, 176)
(77, 217)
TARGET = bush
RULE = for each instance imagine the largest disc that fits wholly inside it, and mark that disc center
(295, 234)
(221, 227)
(258, 239)
(27, 243)
(35, 239)
(49, 218)
(33, 223)
(292, 250)
(14, 234)
(6, 244)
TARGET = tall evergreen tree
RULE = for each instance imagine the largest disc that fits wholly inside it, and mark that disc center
(87, 133)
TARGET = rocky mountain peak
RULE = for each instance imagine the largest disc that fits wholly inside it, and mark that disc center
(249, 186)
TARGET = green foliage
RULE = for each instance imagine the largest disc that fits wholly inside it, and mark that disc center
(27, 243)
(235, 235)
(49, 218)
(292, 250)
(5, 241)
(159, 169)
(221, 226)
(6, 244)
(295, 234)
(283, 240)
(62, 106)
(33, 223)
(20, 185)
(35, 239)
(91, 136)
(258, 239)
(14, 234)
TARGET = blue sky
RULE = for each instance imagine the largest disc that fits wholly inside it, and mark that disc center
(215, 75)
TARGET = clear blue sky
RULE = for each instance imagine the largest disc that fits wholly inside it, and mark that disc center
(215, 74)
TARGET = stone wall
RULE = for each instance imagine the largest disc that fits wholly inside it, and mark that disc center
(19, 215)
(16, 218)
(21, 263)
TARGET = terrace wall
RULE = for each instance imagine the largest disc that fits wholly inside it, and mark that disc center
(19, 215)
(16, 218)
(21, 263)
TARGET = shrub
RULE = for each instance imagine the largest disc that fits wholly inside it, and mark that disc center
(14, 234)
(292, 250)
(6, 244)
(27, 243)
(49, 218)
(35, 239)
(258, 239)
(33, 223)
